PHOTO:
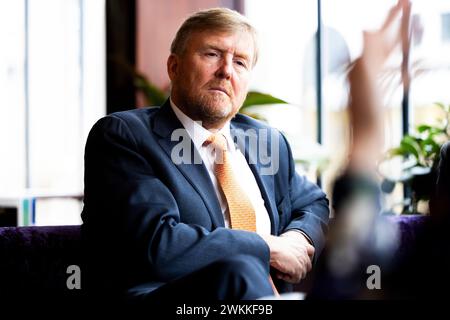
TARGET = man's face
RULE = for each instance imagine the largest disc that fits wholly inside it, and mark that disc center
(210, 79)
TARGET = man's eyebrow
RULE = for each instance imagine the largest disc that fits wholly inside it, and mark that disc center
(214, 47)
(243, 56)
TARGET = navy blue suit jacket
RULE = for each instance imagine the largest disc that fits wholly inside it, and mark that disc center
(147, 219)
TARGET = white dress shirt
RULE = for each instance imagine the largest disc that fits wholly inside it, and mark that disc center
(244, 175)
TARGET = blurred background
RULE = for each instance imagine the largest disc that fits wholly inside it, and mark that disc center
(65, 64)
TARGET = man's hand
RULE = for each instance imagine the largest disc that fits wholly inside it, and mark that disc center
(291, 255)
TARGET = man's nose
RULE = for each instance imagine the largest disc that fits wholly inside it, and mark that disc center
(225, 69)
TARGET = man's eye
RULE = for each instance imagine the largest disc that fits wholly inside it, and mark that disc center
(240, 63)
(211, 54)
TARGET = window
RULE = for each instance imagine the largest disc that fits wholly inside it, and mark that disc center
(430, 62)
(54, 75)
(286, 69)
(289, 71)
(445, 27)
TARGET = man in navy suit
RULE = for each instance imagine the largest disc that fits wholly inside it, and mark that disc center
(156, 223)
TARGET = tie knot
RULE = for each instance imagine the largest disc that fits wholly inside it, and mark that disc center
(218, 141)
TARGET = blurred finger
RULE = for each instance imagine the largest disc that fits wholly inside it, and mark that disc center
(392, 15)
(405, 25)
(308, 265)
(286, 277)
(310, 250)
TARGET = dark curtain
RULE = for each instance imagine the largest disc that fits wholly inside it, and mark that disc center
(120, 54)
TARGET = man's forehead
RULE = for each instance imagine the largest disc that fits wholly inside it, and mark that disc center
(239, 40)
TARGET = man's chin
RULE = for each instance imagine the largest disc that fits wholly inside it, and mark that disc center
(217, 116)
(219, 111)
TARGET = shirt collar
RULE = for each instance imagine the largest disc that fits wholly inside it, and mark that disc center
(198, 133)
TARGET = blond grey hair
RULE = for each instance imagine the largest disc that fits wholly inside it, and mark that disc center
(215, 19)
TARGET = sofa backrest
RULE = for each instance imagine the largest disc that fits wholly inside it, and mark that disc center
(34, 261)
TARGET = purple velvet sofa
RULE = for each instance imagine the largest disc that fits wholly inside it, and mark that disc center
(34, 260)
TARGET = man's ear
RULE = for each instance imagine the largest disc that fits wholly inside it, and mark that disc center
(172, 66)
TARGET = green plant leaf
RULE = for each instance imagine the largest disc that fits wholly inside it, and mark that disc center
(432, 130)
(424, 127)
(153, 95)
(258, 98)
(398, 151)
(443, 106)
(254, 115)
(411, 145)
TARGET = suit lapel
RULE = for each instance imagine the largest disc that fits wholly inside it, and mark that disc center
(255, 160)
(166, 123)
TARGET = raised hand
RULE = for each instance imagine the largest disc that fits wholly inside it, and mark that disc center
(365, 107)
(379, 44)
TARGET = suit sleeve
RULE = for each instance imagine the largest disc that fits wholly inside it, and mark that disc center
(130, 212)
(306, 204)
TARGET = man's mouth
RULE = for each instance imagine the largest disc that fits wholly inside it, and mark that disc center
(219, 89)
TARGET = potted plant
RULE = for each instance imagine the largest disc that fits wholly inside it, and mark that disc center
(419, 153)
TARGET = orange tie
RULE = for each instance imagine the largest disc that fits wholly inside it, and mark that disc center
(242, 213)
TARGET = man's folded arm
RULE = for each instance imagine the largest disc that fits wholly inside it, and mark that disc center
(308, 206)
